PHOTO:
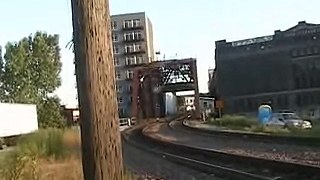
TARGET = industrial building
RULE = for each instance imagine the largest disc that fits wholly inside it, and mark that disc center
(132, 37)
(283, 68)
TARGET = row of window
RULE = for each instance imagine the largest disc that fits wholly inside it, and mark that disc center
(120, 88)
(278, 102)
(311, 81)
(133, 23)
(129, 48)
(129, 75)
(131, 36)
(307, 99)
(120, 99)
(129, 60)
(305, 51)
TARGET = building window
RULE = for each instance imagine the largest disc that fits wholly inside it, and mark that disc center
(114, 25)
(130, 88)
(127, 24)
(137, 35)
(140, 59)
(205, 104)
(128, 36)
(115, 49)
(129, 74)
(120, 99)
(116, 61)
(298, 100)
(118, 75)
(136, 23)
(137, 47)
(130, 60)
(121, 112)
(129, 48)
(119, 89)
(115, 37)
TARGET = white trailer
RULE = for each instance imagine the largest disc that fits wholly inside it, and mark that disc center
(17, 119)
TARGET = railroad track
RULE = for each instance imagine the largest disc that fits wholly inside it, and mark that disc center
(302, 141)
(228, 165)
(137, 139)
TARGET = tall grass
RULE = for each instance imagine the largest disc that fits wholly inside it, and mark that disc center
(44, 143)
(26, 161)
(235, 122)
(49, 154)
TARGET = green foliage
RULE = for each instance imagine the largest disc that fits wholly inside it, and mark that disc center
(1, 76)
(18, 167)
(44, 143)
(49, 114)
(30, 74)
(21, 163)
(235, 122)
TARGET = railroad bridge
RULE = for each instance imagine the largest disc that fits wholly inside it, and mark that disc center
(151, 82)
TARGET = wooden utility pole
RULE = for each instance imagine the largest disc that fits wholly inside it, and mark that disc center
(100, 135)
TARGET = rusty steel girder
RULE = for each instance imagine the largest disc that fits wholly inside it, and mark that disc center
(151, 81)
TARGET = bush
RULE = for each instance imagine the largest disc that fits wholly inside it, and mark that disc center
(235, 122)
(23, 162)
(44, 143)
(49, 113)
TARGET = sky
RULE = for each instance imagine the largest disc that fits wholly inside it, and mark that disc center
(182, 28)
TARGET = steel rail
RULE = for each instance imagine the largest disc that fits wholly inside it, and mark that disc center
(139, 140)
(285, 170)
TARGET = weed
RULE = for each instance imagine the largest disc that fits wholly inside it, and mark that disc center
(235, 122)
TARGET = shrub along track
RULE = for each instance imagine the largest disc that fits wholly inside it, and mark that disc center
(261, 148)
(238, 161)
(261, 137)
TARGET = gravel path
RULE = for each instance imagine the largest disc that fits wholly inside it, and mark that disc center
(291, 153)
(150, 166)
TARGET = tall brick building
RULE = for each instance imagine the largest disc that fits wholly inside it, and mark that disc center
(283, 68)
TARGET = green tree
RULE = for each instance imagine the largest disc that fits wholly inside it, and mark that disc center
(50, 106)
(1, 73)
(31, 71)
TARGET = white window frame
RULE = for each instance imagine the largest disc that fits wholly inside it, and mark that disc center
(116, 61)
(129, 74)
(114, 25)
(130, 60)
(137, 47)
(129, 48)
(137, 35)
(115, 37)
(116, 49)
(128, 36)
(136, 22)
(128, 23)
